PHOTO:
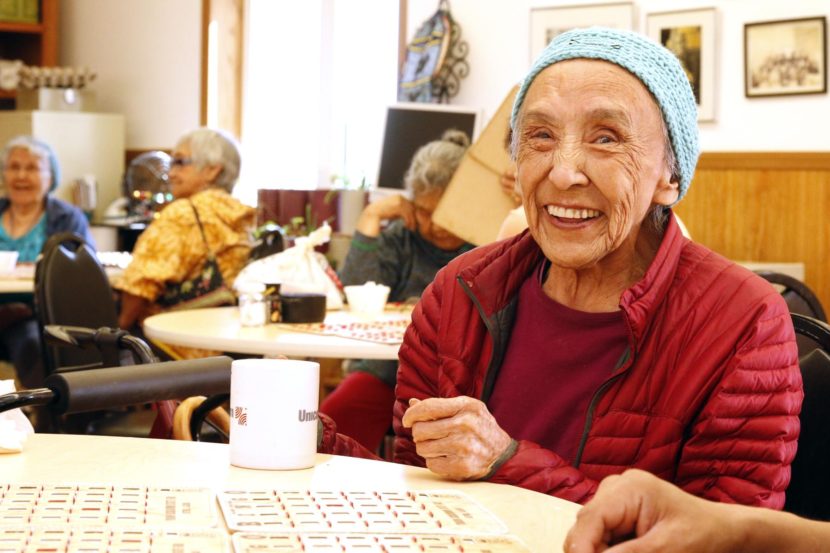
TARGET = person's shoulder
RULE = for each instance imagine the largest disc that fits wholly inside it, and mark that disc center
(216, 202)
(56, 205)
(706, 276)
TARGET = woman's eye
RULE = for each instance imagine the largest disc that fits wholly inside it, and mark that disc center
(605, 139)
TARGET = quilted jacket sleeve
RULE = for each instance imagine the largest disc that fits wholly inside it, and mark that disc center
(329, 441)
(743, 441)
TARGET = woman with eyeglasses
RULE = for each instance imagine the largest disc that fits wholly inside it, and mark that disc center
(405, 255)
(202, 236)
(29, 216)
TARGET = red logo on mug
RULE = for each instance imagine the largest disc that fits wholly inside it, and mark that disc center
(241, 415)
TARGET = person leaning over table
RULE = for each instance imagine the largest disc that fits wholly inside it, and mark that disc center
(636, 512)
(203, 171)
(601, 339)
(30, 215)
(404, 256)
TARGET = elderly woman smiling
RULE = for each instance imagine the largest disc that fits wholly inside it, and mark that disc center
(601, 339)
(30, 215)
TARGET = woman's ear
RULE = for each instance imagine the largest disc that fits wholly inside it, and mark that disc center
(212, 172)
(667, 190)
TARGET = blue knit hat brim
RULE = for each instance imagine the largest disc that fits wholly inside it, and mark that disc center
(655, 66)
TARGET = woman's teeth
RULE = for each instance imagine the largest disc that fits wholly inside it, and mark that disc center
(568, 213)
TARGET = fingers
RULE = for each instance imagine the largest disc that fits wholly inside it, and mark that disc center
(433, 409)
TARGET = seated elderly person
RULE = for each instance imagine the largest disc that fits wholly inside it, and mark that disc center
(601, 339)
(202, 237)
(30, 215)
(404, 256)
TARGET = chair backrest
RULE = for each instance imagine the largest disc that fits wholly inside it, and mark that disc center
(798, 295)
(71, 288)
(800, 299)
(810, 483)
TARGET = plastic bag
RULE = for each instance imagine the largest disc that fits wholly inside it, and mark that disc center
(298, 269)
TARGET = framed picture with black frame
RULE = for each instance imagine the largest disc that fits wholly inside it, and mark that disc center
(547, 23)
(692, 36)
(785, 57)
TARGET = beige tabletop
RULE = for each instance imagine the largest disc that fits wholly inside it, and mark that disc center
(22, 279)
(540, 521)
(219, 328)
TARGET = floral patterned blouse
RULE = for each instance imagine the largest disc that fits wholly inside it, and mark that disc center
(171, 249)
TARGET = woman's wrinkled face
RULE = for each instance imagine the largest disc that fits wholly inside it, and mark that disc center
(27, 177)
(185, 177)
(590, 162)
(438, 236)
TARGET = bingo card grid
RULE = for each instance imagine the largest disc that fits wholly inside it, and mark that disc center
(378, 512)
(89, 504)
(94, 539)
(251, 542)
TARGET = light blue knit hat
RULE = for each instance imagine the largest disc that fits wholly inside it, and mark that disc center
(654, 65)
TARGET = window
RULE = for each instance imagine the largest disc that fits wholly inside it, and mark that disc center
(318, 77)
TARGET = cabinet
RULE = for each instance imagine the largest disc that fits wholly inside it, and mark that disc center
(34, 43)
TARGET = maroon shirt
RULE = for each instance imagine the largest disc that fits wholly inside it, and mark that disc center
(556, 359)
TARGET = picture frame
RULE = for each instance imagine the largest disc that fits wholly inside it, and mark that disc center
(547, 22)
(785, 57)
(692, 36)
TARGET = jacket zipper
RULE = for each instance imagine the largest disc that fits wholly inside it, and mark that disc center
(489, 375)
(589, 416)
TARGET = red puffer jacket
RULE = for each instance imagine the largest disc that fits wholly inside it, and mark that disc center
(707, 396)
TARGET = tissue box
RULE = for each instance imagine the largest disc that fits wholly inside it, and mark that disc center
(20, 11)
(55, 99)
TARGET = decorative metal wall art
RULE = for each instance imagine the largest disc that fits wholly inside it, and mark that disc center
(436, 60)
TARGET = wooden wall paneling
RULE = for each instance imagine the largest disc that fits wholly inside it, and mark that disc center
(764, 207)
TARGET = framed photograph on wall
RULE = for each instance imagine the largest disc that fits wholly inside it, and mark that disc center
(691, 35)
(546, 23)
(785, 57)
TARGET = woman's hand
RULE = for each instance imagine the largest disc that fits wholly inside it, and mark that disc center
(390, 207)
(458, 436)
(509, 185)
(642, 514)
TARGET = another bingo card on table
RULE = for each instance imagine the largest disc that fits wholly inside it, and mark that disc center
(398, 512)
(381, 332)
(85, 504)
(249, 542)
(84, 539)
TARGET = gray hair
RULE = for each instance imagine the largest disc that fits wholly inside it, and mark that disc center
(214, 147)
(37, 148)
(434, 163)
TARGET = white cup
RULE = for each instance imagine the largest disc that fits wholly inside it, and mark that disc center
(8, 261)
(274, 413)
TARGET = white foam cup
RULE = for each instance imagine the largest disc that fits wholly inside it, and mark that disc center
(274, 413)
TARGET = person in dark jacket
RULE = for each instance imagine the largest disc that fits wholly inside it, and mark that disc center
(29, 216)
(404, 256)
(600, 339)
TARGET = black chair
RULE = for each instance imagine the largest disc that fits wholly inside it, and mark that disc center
(798, 295)
(72, 289)
(800, 299)
(809, 488)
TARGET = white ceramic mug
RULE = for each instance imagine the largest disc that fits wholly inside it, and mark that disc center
(274, 413)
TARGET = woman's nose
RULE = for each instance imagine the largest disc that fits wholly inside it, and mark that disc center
(567, 167)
